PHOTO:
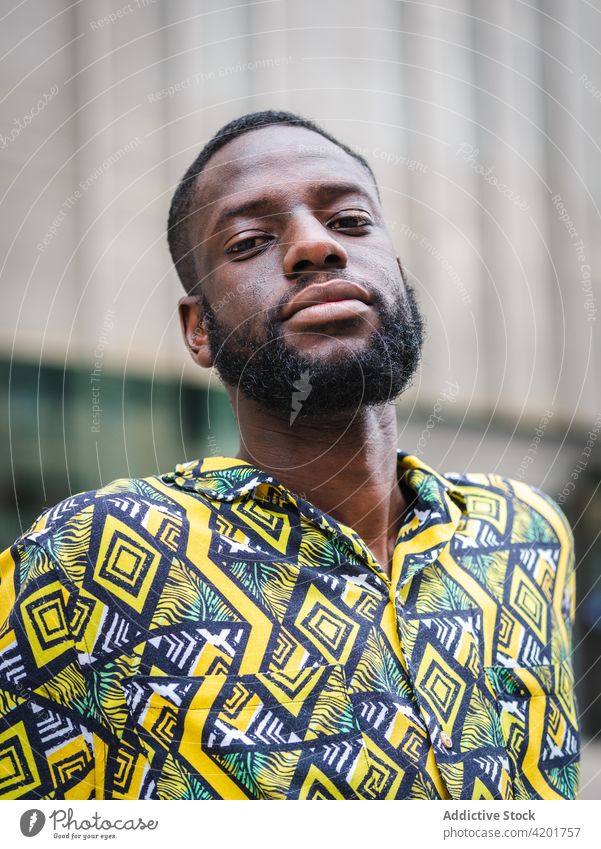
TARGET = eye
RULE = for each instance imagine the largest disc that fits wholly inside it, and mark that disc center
(352, 219)
(249, 245)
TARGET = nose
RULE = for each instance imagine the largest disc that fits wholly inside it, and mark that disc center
(311, 247)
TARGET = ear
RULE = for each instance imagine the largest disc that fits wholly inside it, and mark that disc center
(191, 319)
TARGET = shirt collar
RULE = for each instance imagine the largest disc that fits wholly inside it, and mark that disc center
(228, 478)
(219, 478)
(437, 512)
(437, 507)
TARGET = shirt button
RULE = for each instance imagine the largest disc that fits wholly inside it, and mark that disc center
(446, 741)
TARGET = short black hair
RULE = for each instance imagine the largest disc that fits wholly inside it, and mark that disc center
(179, 211)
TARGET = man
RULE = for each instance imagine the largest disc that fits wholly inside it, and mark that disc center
(321, 616)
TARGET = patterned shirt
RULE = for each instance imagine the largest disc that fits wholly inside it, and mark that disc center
(210, 634)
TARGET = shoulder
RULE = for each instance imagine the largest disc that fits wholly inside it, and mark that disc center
(74, 507)
(523, 535)
(524, 512)
(137, 515)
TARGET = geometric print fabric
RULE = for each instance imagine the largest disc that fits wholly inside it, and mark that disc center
(210, 634)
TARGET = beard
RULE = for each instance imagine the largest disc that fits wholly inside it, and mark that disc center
(291, 383)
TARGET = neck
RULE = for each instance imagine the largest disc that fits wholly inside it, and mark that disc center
(346, 465)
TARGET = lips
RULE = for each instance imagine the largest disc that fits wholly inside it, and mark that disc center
(330, 291)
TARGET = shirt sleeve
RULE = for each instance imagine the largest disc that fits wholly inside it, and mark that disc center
(46, 740)
(566, 573)
(562, 637)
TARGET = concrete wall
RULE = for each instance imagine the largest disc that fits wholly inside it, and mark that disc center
(475, 116)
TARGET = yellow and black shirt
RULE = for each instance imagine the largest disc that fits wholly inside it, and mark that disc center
(210, 634)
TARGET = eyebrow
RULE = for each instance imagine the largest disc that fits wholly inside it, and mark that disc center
(257, 206)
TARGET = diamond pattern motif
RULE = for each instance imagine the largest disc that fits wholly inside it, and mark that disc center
(209, 634)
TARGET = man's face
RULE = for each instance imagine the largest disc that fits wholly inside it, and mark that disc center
(299, 277)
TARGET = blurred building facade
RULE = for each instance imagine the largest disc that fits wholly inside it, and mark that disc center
(482, 122)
